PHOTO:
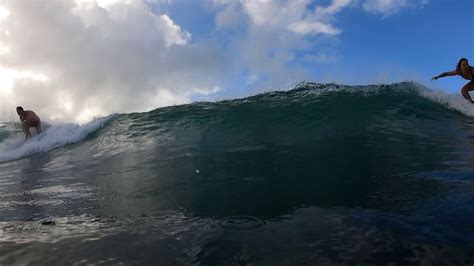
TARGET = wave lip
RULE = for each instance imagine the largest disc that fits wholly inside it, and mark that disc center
(52, 137)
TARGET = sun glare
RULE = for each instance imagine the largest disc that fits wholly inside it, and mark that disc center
(8, 77)
(67, 106)
(4, 13)
(107, 3)
(86, 116)
(6, 81)
(4, 49)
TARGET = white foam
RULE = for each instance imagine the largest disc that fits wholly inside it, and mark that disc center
(52, 137)
(451, 101)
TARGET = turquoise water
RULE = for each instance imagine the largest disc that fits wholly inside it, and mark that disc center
(322, 174)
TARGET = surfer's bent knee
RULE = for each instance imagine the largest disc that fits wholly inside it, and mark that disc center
(468, 87)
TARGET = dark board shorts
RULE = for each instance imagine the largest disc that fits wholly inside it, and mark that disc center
(34, 123)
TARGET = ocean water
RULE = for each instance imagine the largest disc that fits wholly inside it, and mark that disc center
(322, 174)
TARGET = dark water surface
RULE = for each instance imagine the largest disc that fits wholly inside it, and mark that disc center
(319, 175)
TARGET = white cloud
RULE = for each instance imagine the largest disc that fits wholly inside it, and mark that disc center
(117, 57)
(4, 13)
(335, 7)
(73, 59)
(389, 7)
(320, 58)
(273, 33)
(171, 32)
(229, 16)
(295, 15)
(313, 28)
(166, 97)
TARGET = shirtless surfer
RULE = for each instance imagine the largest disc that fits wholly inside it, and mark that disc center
(28, 119)
(465, 71)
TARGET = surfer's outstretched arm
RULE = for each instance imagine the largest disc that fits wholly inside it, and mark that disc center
(446, 74)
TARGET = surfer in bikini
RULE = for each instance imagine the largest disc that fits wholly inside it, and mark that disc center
(465, 71)
(28, 119)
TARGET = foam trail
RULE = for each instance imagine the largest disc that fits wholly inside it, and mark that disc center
(53, 137)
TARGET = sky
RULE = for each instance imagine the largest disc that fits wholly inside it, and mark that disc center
(72, 60)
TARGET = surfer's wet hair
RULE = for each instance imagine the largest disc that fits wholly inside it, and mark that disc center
(19, 108)
(460, 61)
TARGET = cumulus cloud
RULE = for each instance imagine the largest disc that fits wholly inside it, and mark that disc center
(71, 60)
(389, 7)
(229, 16)
(295, 15)
(320, 58)
(275, 32)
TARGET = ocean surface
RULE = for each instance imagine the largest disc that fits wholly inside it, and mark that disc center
(322, 174)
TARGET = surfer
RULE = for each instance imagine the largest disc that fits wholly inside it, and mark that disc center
(466, 72)
(28, 119)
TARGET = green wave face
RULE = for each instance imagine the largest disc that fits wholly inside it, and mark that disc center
(316, 145)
